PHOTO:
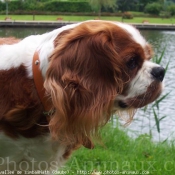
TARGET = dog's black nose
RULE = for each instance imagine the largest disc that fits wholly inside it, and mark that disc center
(158, 73)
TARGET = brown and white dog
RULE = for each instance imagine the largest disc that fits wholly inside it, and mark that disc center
(59, 88)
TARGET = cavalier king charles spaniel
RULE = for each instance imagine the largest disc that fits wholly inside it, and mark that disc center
(57, 89)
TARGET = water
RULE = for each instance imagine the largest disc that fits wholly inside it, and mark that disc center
(143, 122)
(22, 32)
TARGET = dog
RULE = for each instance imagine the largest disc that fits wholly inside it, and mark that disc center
(57, 89)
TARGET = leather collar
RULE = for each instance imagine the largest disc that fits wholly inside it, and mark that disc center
(39, 82)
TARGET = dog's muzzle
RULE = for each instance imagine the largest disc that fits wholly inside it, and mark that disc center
(158, 73)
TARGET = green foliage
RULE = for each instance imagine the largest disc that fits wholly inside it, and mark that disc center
(171, 9)
(126, 5)
(51, 6)
(142, 3)
(164, 14)
(153, 8)
(15, 5)
(98, 4)
(2, 6)
(102, 5)
(61, 6)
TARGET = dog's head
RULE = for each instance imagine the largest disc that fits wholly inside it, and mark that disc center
(95, 69)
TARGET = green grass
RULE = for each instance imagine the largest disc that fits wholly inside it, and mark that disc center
(122, 154)
(83, 18)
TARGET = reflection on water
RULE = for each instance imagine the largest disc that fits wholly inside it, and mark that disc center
(144, 122)
(22, 32)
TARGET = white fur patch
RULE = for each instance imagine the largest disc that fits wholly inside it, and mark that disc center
(12, 56)
(141, 81)
(138, 38)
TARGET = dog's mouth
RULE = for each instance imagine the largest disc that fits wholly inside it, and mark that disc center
(133, 103)
(122, 104)
(139, 101)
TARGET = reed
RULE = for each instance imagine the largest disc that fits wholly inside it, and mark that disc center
(154, 107)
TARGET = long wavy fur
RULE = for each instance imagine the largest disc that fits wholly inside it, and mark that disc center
(83, 79)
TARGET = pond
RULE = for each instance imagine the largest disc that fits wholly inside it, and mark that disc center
(144, 122)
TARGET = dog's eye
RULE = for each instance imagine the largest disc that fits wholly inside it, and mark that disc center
(132, 63)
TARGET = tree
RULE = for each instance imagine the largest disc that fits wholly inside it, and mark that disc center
(171, 9)
(126, 5)
(167, 3)
(153, 8)
(7, 5)
(98, 4)
(142, 3)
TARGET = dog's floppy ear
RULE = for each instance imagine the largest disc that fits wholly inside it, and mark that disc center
(83, 79)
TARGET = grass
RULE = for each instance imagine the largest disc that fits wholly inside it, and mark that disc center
(122, 154)
(83, 18)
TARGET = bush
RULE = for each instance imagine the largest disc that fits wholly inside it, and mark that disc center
(2, 6)
(65, 6)
(15, 5)
(153, 8)
(165, 14)
(171, 10)
(127, 15)
(46, 6)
